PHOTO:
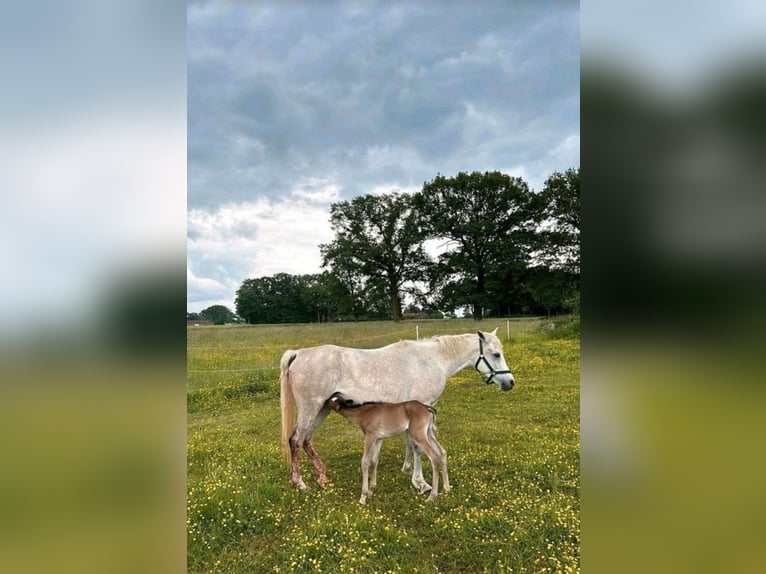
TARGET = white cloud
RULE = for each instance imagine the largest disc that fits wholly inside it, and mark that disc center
(570, 144)
(488, 50)
(202, 285)
(206, 292)
(317, 190)
(254, 239)
(394, 188)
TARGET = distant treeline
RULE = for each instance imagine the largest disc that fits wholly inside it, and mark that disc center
(483, 243)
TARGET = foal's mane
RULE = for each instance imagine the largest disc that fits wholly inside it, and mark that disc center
(368, 403)
(357, 405)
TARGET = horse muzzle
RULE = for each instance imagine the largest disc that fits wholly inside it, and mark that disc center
(507, 385)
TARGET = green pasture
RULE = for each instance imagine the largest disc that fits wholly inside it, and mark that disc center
(513, 461)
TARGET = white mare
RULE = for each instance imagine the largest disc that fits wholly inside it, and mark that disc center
(403, 371)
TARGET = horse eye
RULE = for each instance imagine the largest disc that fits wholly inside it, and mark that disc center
(497, 355)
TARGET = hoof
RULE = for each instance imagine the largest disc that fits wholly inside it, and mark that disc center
(423, 487)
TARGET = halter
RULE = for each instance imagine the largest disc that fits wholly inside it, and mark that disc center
(492, 371)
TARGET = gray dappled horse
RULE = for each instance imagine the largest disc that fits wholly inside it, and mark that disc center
(403, 371)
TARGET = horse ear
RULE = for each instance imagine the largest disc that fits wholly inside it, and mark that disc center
(495, 332)
(481, 336)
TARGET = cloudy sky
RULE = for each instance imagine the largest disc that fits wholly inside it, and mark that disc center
(292, 106)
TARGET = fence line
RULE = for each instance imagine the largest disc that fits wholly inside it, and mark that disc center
(217, 387)
(279, 347)
(282, 347)
(231, 370)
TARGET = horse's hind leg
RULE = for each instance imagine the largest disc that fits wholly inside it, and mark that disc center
(295, 463)
(319, 467)
(309, 418)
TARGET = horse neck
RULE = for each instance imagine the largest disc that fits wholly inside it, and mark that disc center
(460, 351)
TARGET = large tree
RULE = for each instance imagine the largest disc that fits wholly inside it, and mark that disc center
(558, 207)
(276, 299)
(327, 297)
(218, 314)
(485, 221)
(378, 247)
(285, 298)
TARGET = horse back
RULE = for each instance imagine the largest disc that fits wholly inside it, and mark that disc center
(395, 373)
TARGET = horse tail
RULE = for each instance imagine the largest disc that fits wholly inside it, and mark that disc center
(286, 401)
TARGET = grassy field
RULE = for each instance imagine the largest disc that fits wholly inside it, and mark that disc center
(513, 462)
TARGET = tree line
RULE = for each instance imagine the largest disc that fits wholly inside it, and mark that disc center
(482, 243)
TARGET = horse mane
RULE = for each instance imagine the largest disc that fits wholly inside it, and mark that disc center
(450, 344)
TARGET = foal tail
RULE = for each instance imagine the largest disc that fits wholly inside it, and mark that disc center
(286, 401)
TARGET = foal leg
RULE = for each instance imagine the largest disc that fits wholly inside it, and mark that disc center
(434, 456)
(436, 462)
(407, 466)
(443, 456)
(374, 461)
(417, 480)
(369, 444)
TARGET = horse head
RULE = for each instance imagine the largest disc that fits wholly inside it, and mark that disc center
(491, 362)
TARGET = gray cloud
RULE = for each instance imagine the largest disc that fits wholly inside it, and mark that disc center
(365, 96)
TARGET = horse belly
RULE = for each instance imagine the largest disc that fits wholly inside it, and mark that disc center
(391, 381)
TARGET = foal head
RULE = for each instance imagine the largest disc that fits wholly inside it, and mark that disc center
(339, 401)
